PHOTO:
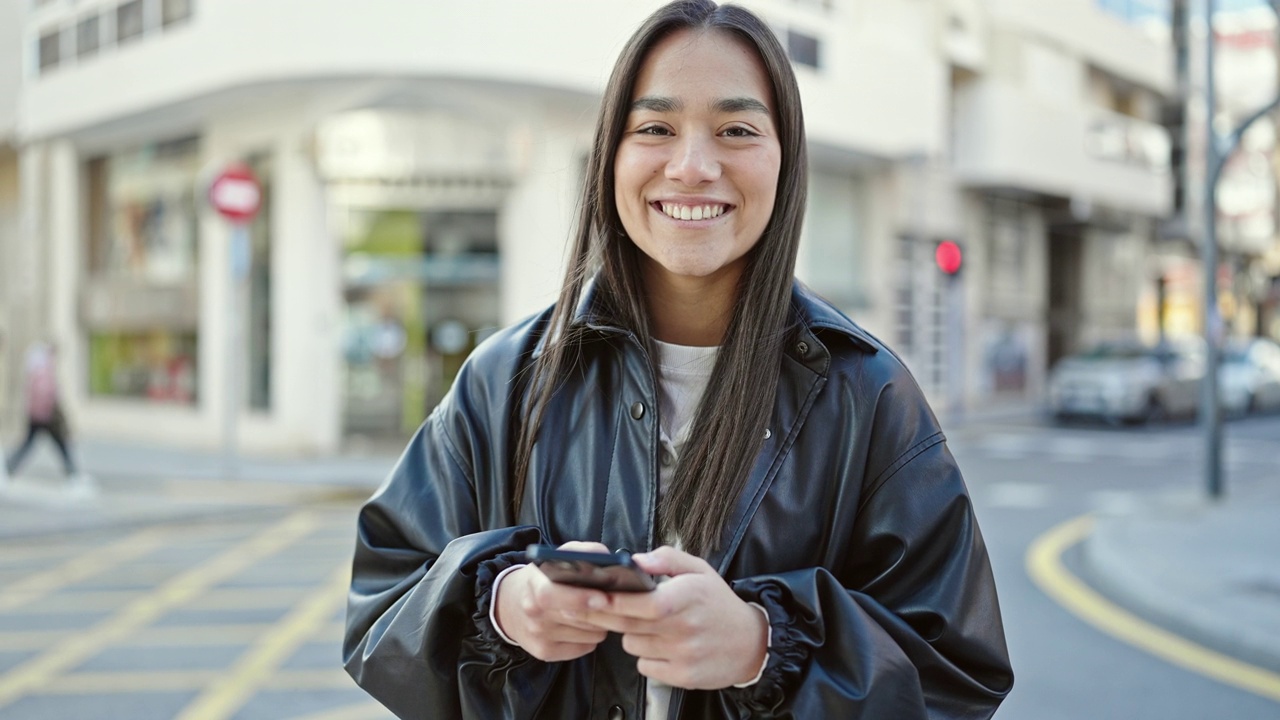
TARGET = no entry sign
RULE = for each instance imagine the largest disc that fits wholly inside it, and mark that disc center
(235, 193)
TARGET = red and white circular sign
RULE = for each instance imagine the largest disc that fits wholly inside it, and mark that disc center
(235, 193)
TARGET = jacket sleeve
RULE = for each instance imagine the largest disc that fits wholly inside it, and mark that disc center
(418, 635)
(909, 629)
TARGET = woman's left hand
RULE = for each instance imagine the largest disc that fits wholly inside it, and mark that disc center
(693, 631)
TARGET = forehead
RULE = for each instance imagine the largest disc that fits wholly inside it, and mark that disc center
(710, 64)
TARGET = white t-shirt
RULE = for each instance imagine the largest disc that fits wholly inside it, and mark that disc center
(683, 373)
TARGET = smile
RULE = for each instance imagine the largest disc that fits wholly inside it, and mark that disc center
(692, 212)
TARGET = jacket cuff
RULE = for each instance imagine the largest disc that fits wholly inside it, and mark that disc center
(786, 656)
(490, 638)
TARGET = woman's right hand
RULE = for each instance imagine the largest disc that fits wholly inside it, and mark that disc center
(547, 618)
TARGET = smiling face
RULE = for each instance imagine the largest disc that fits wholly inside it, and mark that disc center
(696, 171)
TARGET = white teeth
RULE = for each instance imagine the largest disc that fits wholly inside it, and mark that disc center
(692, 212)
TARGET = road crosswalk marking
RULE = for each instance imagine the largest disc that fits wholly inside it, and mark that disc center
(223, 697)
(36, 673)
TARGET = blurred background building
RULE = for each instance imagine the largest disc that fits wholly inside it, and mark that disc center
(420, 163)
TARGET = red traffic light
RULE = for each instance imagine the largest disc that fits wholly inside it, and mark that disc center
(948, 257)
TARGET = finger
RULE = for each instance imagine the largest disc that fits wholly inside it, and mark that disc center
(647, 647)
(667, 560)
(583, 546)
(560, 652)
(623, 624)
(550, 596)
(566, 634)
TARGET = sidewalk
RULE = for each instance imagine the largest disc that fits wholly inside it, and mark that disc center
(135, 485)
(1209, 572)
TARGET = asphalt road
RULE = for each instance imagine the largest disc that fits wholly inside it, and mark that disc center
(1025, 479)
(240, 615)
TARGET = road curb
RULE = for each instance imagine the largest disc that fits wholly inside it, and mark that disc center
(1111, 561)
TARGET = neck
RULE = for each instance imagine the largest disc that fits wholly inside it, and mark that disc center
(690, 311)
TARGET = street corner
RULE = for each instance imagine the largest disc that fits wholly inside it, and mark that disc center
(1203, 570)
(1127, 588)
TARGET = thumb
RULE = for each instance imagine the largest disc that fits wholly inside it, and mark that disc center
(667, 560)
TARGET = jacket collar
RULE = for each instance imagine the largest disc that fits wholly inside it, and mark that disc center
(811, 314)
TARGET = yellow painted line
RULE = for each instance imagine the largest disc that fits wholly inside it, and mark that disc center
(118, 683)
(248, 598)
(198, 635)
(1044, 565)
(232, 690)
(82, 567)
(335, 679)
(32, 639)
(74, 603)
(361, 711)
(38, 672)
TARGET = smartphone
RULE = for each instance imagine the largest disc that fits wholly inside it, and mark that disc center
(615, 572)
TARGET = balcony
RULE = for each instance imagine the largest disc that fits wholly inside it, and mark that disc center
(1005, 138)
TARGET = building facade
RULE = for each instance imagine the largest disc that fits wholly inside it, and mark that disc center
(419, 167)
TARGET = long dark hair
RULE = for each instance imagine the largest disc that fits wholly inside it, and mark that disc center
(729, 427)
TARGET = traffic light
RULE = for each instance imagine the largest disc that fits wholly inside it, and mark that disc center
(949, 257)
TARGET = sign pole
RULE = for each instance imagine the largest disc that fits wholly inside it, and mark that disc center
(236, 195)
(239, 260)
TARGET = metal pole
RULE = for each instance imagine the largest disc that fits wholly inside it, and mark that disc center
(238, 262)
(1217, 149)
(1210, 413)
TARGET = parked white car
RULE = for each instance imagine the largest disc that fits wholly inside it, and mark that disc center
(1249, 380)
(1128, 381)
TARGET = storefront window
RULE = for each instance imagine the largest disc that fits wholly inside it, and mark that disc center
(144, 222)
(159, 365)
(139, 302)
(421, 291)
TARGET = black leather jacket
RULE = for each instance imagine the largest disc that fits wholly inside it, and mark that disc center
(855, 532)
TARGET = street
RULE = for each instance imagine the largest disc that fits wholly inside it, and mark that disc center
(238, 614)
(1026, 479)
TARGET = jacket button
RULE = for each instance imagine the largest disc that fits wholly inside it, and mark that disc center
(616, 713)
(637, 410)
(802, 348)
(768, 433)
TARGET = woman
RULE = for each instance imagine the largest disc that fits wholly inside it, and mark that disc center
(821, 552)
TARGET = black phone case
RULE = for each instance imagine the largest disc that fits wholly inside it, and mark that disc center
(614, 572)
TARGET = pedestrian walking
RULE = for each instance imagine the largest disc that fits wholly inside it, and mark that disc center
(45, 413)
(774, 465)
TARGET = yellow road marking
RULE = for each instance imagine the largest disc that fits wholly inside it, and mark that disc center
(1044, 565)
(198, 635)
(36, 673)
(252, 670)
(31, 639)
(112, 683)
(334, 679)
(81, 567)
(76, 602)
(362, 711)
(142, 681)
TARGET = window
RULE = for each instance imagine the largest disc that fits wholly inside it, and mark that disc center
(804, 49)
(174, 11)
(129, 21)
(50, 50)
(88, 36)
(140, 299)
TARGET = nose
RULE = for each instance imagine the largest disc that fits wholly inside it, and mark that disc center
(694, 161)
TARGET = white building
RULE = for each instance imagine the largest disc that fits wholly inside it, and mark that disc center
(10, 80)
(420, 162)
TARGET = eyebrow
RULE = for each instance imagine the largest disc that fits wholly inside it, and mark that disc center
(724, 105)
